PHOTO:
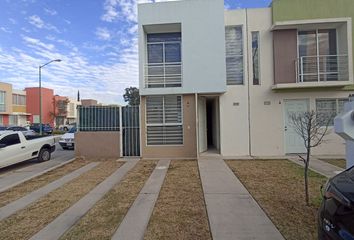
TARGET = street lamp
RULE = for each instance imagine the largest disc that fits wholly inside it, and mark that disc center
(40, 92)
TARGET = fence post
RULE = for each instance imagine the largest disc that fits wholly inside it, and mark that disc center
(121, 131)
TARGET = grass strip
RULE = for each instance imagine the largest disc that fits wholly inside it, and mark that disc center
(30, 220)
(180, 211)
(278, 187)
(336, 162)
(24, 188)
(109, 212)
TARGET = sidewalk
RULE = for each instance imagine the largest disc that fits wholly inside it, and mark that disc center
(319, 166)
(232, 212)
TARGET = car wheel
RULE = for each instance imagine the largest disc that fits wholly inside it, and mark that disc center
(66, 129)
(44, 155)
(64, 148)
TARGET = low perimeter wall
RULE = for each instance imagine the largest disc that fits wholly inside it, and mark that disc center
(97, 144)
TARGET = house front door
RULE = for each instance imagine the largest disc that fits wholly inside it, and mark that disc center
(293, 142)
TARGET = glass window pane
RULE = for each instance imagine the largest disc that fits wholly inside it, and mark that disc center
(326, 111)
(234, 70)
(155, 53)
(255, 57)
(164, 37)
(172, 52)
(234, 55)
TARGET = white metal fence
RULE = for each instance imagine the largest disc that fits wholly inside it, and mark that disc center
(322, 68)
(162, 75)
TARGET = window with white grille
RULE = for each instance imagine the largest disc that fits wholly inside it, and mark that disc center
(234, 55)
(328, 109)
(164, 120)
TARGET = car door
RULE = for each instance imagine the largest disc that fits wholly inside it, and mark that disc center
(13, 151)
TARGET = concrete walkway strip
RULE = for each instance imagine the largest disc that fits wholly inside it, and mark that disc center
(321, 167)
(232, 212)
(66, 220)
(136, 221)
(21, 203)
(28, 173)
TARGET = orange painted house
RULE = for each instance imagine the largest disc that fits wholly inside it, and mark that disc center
(32, 103)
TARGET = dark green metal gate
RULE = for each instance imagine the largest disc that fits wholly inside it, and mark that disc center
(131, 131)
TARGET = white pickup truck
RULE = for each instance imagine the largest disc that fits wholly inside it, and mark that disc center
(16, 147)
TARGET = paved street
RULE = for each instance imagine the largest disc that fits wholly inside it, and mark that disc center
(18, 172)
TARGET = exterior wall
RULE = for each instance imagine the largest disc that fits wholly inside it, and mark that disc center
(287, 10)
(189, 147)
(285, 53)
(97, 144)
(72, 110)
(88, 102)
(32, 101)
(8, 99)
(203, 43)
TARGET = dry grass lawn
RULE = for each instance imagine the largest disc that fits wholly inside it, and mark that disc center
(180, 211)
(29, 186)
(30, 220)
(336, 162)
(277, 185)
(103, 219)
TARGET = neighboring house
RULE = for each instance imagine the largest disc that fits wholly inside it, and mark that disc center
(19, 115)
(89, 102)
(33, 105)
(60, 110)
(12, 106)
(225, 82)
(71, 110)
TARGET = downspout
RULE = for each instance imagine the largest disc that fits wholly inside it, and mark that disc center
(248, 90)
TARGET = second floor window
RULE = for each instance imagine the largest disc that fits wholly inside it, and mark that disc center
(164, 67)
(2, 101)
(234, 55)
(318, 58)
(18, 99)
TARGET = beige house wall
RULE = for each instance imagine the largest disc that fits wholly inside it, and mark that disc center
(8, 101)
(188, 149)
(97, 144)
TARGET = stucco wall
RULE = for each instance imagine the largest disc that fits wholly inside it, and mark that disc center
(189, 147)
(7, 88)
(203, 43)
(97, 144)
(32, 102)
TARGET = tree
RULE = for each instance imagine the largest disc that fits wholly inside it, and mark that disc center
(132, 96)
(312, 128)
(59, 108)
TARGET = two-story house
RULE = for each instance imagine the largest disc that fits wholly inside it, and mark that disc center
(225, 82)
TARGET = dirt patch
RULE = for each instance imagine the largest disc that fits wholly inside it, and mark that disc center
(180, 211)
(336, 162)
(30, 220)
(23, 189)
(277, 185)
(108, 213)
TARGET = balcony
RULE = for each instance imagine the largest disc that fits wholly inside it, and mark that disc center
(322, 68)
(163, 75)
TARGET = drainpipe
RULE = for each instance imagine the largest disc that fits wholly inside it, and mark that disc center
(248, 90)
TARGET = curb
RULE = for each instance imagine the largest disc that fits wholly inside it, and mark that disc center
(36, 175)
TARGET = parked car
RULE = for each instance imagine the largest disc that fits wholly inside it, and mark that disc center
(16, 147)
(67, 127)
(3, 128)
(25, 131)
(67, 141)
(46, 128)
(336, 214)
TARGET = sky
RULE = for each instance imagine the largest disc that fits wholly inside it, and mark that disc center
(95, 39)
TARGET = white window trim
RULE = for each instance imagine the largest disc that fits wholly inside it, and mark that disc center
(244, 50)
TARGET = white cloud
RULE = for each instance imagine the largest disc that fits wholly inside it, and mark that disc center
(103, 33)
(5, 30)
(39, 23)
(51, 12)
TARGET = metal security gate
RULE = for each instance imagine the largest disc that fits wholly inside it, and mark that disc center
(130, 131)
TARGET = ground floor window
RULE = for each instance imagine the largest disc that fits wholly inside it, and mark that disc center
(13, 120)
(328, 109)
(164, 120)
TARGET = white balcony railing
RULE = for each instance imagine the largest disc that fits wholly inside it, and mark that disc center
(322, 68)
(163, 75)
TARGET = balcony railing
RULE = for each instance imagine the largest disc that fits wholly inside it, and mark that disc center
(322, 68)
(163, 75)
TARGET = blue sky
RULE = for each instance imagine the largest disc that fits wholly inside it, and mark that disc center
(96, 39)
